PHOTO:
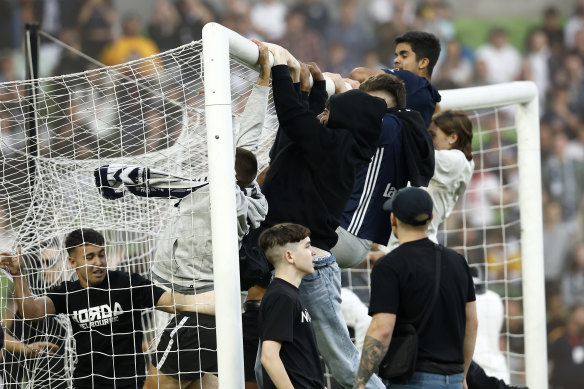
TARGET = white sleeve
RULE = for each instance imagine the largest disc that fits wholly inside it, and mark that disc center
(251, 209)
(448, 166)
(252, 119)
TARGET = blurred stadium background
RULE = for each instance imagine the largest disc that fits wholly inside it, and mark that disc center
(483, 43)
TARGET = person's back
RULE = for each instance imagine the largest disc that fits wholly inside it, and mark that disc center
(425, 285)
(311, 179)
(441, 342)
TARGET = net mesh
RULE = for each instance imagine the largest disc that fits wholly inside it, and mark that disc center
(150, 113)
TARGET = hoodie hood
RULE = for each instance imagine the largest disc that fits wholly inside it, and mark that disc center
(361, 114)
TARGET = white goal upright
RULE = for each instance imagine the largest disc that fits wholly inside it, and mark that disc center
(149, 113)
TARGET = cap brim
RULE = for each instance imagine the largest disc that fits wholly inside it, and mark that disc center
(388, 205)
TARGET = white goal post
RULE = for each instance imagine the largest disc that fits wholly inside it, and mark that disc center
(219, 43)
(524, 95)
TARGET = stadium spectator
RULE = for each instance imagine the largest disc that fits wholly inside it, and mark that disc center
(536, 65)
(317, 15)
(10, 25)
(552, 27)
(269, 18)
(96, 21)
(107, 355)
(566, 352)
(289, 351)
(572, 282)
(164, 26)
(350, 33)
(558, 234)
(304, 44)
(446, 346)
(349, 130)
(563, 177)
(574, 24)
(70, 61)
(131, 45)
(195, 14)
(496, 52)
(239, 19)
(401, 22)
(456, 71)
(338, 60)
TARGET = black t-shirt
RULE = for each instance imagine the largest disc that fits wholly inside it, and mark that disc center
(107, 327)
(403, 282)
(284, 319)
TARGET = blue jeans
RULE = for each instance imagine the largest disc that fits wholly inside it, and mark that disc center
(430, 381)
(321, 294)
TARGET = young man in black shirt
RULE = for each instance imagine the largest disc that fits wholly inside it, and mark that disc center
(289, 353)
(403, 282)
(104, 308)
(310, 179)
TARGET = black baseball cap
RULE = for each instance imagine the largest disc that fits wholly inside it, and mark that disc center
(409, 203)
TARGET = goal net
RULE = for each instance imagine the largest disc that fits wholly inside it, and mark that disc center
(150, 113)
(496, 225)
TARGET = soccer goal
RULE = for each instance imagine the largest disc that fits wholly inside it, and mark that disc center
(152, 113)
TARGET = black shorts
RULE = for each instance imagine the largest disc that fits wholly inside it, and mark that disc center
(188, 347)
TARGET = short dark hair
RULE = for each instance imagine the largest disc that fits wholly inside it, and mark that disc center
(246, 166)
(388, 83)
(280, 235)
(456, 122)
(424, 45)
(83, 236)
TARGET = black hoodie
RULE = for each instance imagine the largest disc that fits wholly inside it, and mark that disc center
(311, 179)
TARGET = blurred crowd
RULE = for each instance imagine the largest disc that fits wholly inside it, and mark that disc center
(340, 35)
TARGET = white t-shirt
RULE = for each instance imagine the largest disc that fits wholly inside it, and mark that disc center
(452, 174)
(270, 18)
(487, 353)
(503, 65)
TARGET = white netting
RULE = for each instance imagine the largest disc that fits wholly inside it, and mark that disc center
(149, 113)
(484, 226)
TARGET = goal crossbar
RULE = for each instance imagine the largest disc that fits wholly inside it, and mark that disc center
(219, 45)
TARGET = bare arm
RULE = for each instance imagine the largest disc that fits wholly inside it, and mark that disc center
(361, 74)
(273, 364)
(375, 346)
(252, 119)
(173, 302)
(31, 307)
(470, 334)
(15, 346)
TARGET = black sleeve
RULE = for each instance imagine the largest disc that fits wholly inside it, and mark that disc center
(384, 288)
(282, 140)
(305, 99)
(57, 294)
(277, 313)
(298, 123)
(318, 96)
(144, 293)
